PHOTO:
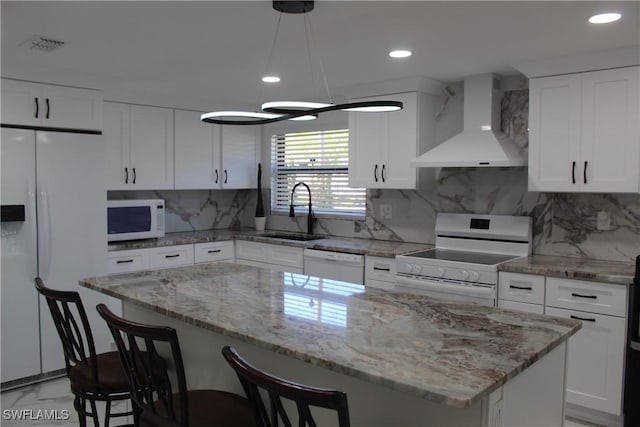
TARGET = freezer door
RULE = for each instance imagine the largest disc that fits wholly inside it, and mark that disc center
(19, 311)
(72, 236)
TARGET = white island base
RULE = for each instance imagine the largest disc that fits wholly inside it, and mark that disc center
(534, 398)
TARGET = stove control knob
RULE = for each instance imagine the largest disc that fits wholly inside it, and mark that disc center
(416, 269)
(439, 272)
(406, 267)
(474, 276)
(465, 274)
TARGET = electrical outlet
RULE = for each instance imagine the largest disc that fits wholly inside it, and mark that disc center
(603, 221)
(386, 211)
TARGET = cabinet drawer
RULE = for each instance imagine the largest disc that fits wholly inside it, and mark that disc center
(286, 256)
(591, 297)
(213, 251)
(379, 284)
(125, 261)
(252, 251)
(527, 288)
(171, 256)
(521, 306)
(380, 268)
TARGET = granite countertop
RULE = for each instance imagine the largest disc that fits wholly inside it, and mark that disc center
(383, 248)
(450, 353)
(574, 268)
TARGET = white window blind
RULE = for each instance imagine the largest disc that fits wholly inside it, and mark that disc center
(321, 160)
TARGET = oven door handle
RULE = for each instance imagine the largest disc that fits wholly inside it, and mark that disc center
(430, 285)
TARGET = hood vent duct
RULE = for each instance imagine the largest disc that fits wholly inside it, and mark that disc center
(481, 143)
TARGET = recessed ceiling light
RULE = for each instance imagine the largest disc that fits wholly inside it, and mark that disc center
(400, 53)
(271, 79)
(605, 18)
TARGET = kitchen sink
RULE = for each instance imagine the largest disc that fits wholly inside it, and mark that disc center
(298, 237)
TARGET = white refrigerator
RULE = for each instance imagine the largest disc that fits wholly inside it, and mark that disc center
(59, 179)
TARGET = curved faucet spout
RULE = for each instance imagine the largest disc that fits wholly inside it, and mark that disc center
(310, 217)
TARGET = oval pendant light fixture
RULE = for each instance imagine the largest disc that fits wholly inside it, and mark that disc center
(276, 111)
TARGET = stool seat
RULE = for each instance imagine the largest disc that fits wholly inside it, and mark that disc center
(206, 408)
(111, 375)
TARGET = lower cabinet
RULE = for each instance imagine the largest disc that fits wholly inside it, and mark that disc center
(274, 257)
(380, 272)
(168, 256)
(596, 352)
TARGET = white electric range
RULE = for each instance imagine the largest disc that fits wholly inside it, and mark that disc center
(464, 264)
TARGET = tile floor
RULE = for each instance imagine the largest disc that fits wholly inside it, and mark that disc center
(55, 395)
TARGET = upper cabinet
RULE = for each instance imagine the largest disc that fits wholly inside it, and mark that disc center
(584, 133)
(214, 156)
(381, 145)
(50, 106)
(139, 147)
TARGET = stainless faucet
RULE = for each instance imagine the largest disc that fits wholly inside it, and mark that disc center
(310, 217)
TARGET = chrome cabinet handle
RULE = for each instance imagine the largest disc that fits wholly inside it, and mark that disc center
(134, 175)
(37, 107)
(375, 173)
(48, 108)
(216, 176)
(523, 288)
(584, 172)
(383, 178)
(214, 251)
(573, 172)
(126, 175)
(124, 261)
(573, 294)
(172, 256)
(226, 176)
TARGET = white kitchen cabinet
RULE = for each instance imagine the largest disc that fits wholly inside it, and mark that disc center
(213, 251)
(139, 147)
(170, 256)
(379, 272)
(584, 132)
(274, 257)
(595, 361)
(50, 106)
(214, 156)
(521, 306)
(239, 153)
(381, 145)
(127, 261)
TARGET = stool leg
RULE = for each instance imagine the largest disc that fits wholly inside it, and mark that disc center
(79, 404)
(107, 413)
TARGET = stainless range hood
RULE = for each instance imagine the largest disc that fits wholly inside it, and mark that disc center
(481, 143)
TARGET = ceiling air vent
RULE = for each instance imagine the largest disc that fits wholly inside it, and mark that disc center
(41, 43)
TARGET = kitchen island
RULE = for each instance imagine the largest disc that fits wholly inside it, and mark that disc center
(403, 360)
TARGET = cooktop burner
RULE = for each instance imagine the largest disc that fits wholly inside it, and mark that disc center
(462, 256)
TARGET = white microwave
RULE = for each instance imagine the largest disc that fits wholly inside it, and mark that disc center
(135, 219)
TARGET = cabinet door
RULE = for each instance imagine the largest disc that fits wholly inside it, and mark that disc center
(116, 135)
(402, 145)
(610, 136)
(521, 306)
(239, 156)
(151, 148)
(368, 139)
(197, 145)
(71, 108)
(595, 361)
(554, 133)
(21, 103)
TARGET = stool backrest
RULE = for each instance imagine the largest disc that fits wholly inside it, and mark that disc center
(70, 320)
(253, 380)
(148, 373)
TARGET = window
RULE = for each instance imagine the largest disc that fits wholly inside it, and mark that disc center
(321, 160)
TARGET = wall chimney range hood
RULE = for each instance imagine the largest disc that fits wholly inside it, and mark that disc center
(481, 143)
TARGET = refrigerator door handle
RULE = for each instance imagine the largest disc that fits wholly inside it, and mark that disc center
(45, 261)
(31, 215)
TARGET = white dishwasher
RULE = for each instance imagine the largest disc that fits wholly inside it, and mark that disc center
(334, 265)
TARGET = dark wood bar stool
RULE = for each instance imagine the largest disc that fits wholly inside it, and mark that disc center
(152, 382)
(254, 380)
(94, 377)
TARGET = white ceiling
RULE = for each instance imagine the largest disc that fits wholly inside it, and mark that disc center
(217, 51)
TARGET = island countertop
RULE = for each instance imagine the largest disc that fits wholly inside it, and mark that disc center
(450, 353)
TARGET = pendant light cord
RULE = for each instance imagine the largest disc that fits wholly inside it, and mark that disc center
(273, 46)
(313, 42)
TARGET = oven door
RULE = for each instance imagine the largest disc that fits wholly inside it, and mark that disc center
(447, 289)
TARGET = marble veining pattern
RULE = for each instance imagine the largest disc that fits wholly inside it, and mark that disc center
(450, 353)
(574, 268)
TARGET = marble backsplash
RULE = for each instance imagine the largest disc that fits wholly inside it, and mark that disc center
(563, 223)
